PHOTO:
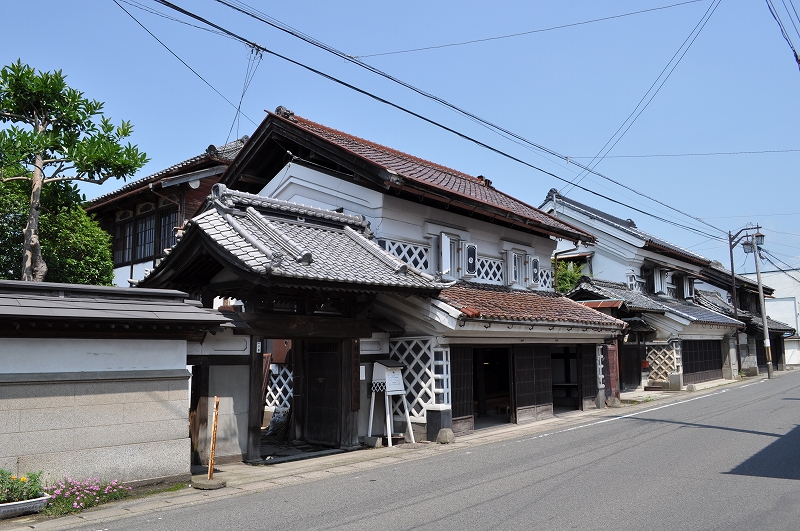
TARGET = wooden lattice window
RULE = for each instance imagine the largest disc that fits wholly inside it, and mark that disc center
(279, 390)
(417, 355)
(490, 269)
(413, 254)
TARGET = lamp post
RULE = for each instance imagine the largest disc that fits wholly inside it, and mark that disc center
(733, 241)
(754, 246)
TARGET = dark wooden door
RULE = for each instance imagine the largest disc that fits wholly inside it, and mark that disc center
(630, 365)
(523, 389)
(462, 396)
(543, 376)
(323, 404)
(702, 360)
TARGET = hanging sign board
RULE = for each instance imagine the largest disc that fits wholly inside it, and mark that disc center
(394, 380)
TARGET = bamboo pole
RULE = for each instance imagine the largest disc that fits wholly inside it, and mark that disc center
(213, 440)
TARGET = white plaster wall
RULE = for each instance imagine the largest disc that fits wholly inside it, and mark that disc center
(221, 344)
(48, 355)
(231, 384)
(792, 351)
(394, 218)
(783, 310)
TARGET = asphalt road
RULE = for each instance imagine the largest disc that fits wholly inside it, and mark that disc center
(727, 460)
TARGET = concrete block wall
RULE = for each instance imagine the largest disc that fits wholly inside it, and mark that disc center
(125, 425)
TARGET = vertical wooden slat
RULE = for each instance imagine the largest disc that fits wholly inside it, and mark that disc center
(461, 377)
(543, 376)
(256, 402)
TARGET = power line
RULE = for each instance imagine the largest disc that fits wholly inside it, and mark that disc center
(695, 154)
(637, 111)
(754, 216)
(778, 267)
(424, 118)
(181, 60)
(253, 60)
(522, 33)
(148, 9)
(784, 33)
(271, 21)
(779, 232)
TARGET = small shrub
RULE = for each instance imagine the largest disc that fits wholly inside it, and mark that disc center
(14, 489)
(72, 496)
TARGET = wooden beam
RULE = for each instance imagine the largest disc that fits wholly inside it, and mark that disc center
(255, 412)
(307, 326)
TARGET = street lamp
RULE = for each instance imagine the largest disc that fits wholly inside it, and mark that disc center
(733, 241)
(754, 246)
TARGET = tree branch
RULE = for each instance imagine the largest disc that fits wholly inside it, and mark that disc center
(15, 178)
(17, 117)
(76, 178)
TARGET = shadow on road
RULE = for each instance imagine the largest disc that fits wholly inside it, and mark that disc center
(778, 460)
(707, 426)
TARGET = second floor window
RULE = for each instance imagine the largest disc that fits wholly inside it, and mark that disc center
(145, 236)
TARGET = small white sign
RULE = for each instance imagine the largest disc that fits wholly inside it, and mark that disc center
(363, 372)
(394, 380)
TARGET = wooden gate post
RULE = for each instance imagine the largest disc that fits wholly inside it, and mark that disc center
(213, 439)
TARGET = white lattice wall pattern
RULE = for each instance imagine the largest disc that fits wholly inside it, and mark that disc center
(661, 358)
(279, 390)
(546, 279)
(417, 355)
(490, 269)
(412, 254)
(441, 375)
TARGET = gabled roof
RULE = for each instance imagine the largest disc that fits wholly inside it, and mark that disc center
(272, 240)
(635, 301)
(491, 302)
(653, 243)
(713, 301)
(223, 154)
(389, 168)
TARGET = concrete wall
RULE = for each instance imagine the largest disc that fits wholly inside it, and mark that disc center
(116, 426)
(112, 409)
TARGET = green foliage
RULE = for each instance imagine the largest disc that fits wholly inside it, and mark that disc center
(54, 135)
(77, 249)
(56, 121)
(72, 496)
(567, 276)
(14, 489)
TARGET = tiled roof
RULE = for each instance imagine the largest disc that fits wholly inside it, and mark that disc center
(442, 178)
(282, 239)
(625, 225)
(634, 300)
(503, 303)
(49, 300)
(223, 154)
(637, 324)
(713, 301)
(696, 313)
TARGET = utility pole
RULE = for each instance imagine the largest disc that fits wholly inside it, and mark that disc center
(756, 241)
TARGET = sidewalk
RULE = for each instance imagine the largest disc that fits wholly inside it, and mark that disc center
(243, 478)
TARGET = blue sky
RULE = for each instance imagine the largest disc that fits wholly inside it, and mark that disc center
(736, 89)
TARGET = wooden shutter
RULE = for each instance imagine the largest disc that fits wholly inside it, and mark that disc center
(461, 378)
(524, 389)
